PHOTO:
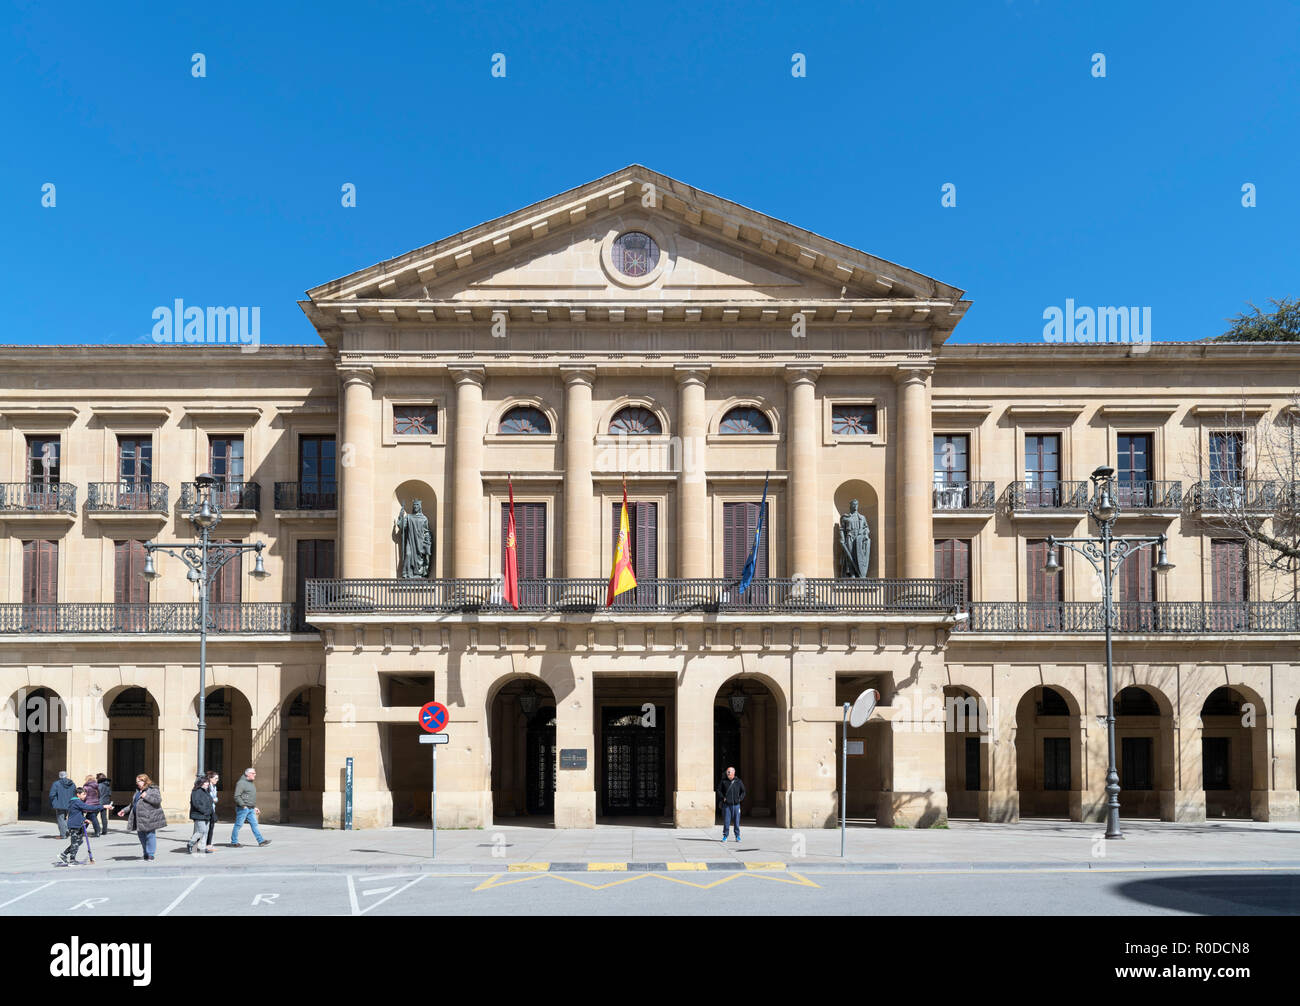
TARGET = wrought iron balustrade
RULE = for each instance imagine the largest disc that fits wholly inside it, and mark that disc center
(1164, 617)
(227, 495)
(667, 596)
(950, 496)
(127, 496)
(1149, 495)
(38, 497)
(1255, 495)
(245, 616)
(1034, 496)
(319, 495)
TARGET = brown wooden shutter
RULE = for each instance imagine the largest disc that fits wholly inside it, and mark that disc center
(1043, 586)
(1228, 570)
(228, 585)
(952, 561)
(315, 561)
(646, 554)
(41, 583)
(530, 538)
(739, 521)
(129, 584)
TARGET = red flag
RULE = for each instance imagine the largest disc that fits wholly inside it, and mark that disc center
(511, 558)
(621, 577)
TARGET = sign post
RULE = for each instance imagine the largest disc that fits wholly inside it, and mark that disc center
(433, 720)
(347, 798)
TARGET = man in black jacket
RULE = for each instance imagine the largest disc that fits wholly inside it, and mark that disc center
(732, 791)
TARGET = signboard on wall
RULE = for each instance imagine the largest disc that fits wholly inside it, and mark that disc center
(573, 758)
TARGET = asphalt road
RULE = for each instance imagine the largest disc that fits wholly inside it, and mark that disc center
(78, 892)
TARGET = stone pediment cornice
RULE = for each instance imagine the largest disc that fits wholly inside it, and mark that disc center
(673, 202)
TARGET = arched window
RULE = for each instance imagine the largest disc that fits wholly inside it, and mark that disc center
(745, 419)
(525, 420)
(635, 420)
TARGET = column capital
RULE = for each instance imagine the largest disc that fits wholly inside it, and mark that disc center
(357, 375)
(468, 375)
(691, 373)
(913, 375)
(578, 374)
(796, 373)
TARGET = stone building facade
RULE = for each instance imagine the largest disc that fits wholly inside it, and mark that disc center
(637, 331)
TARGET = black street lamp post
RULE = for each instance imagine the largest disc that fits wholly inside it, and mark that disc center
(1106, 554)
(204, 561)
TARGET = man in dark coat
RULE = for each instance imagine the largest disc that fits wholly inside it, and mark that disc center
(61, 795)
(731, 791)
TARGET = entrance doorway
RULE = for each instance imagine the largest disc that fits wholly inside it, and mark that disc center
(633, 758)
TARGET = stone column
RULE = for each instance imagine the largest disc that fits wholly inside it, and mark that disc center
(356, 492)
(915, 458)
(1189, 792)
(469, 551)
(575, 727)
(9, 764)
(1280, 801)
(804, 531)
(758, 705)
(694, 802)
(581, 526)
(1002, 801)
(694, 558)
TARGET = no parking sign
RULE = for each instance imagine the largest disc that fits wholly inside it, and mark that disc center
(433, 717)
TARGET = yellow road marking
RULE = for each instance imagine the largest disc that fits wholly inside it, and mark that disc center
(686, 866)
(765, 866)
(795, 879)
(611, 867)
(528, 867)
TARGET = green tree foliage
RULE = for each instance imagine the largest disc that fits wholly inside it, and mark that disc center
(1280, 325)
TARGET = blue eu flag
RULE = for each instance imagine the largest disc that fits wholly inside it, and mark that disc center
(747, 574)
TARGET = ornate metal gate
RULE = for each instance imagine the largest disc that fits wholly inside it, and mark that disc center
(634, 762)
(540, 745)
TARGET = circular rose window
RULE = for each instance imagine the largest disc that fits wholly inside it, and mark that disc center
(634, 253)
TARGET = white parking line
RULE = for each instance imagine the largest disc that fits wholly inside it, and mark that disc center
(181, 897)
(32, 891)
(352, 894)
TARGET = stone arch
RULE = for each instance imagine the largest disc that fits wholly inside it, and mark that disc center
(746, 401)
(1234, 752)
(1050, 770)
(968, 762)
(522, 755)
(34, 723)
(523, 401)
(757, 739)
(634, 402)
(1144, 751)
(228, 739)
(134, 738)
(301, 743)
(869, 505)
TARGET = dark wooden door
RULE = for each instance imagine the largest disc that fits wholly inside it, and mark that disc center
(315, 562)
(643, 548)
(530, 549)
(40, 585)
(633, 762)
(739, 522)
(1044, 610)
(130, 588)
(1043, 470)
(1230, 583)
(224, 602)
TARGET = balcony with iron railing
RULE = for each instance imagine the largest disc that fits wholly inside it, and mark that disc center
(160, 617)
(931, 597)
(1159, 617)
(226, 495)
(109, 497)
(38, 497)
(1046, 497)
(315, 496)
(959, 497)
(1218, 495)
(1149, 497)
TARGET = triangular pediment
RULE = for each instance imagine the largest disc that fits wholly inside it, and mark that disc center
(557, 251)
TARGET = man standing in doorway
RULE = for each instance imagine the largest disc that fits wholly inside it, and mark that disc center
(246, 808)
(732, 791)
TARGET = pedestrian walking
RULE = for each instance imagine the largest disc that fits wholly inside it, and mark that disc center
(91, 799)
(77, 810)
(246, 808)
(145, 815)
(213, 779)
(105, 800)
(200, 813)
(732, 792)
(62, 792)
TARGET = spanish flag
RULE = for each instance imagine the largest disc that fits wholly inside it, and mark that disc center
(621, 577)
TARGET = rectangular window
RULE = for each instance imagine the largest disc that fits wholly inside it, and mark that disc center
(317, 489)
(739, 522)
(415, 420)
(1056, 763)
(130, 588)
(1226, 458)
(530, 549)
(1043, 470)
(1137, 592)
(214, 754)
(1230, 586)
(952, 562)
(951, 458)
(315, 562)
(224, 607)
(134, 472)
(226, 459)
(1135, 763)
(853, 420)
(293, 775)
(1215, 762)
(972, 764)
(128, 762)
(40, 585)
(1133, 470)
(1044, 610)
(42, 462)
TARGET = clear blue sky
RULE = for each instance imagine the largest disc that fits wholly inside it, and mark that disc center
(226, 190)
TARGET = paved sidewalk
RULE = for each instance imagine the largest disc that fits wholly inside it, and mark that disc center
(30, 847)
